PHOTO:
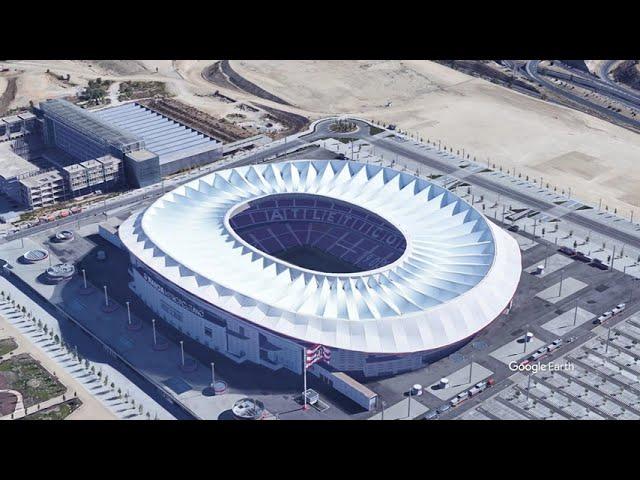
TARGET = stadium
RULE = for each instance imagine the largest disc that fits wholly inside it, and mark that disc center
(385, 270)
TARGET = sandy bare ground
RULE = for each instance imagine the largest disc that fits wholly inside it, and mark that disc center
(569, 149)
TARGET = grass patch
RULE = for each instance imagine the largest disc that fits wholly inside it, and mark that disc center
(7, 345)
(57, 412)
(26, 375)
(133, 90)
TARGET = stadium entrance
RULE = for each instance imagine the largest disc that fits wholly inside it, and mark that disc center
(318, 233)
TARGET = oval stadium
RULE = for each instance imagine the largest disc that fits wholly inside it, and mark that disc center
(262, 263)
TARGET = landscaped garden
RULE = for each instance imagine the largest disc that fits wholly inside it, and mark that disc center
(25, 375)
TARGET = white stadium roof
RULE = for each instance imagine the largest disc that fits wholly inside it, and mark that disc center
(456, 275)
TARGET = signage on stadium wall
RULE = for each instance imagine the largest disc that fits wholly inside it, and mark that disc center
(171, 296)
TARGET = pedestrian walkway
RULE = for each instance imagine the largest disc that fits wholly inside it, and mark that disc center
(99, 401)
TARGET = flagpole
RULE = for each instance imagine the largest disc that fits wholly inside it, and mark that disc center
(304, 391)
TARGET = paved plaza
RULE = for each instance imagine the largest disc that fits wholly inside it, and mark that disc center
(515, 350)
(552, 264)
(555, 294)
(459, 381)
(568, 321)
(402, 411)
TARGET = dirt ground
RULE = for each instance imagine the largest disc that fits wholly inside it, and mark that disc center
(569, 149)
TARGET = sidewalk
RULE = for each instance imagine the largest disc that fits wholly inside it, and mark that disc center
(92, 408)
(99, 402)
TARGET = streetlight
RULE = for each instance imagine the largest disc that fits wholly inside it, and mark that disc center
(409, 404)
(153, 322)
(106, 297)
(561, 279)
(128, 312)
(182, 351)
(84, 278)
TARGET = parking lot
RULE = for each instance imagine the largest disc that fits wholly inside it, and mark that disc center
(600, 379)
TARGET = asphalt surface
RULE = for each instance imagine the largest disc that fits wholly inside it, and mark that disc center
(483, 182)
(152, 193)
(531, 69)
(430, 160)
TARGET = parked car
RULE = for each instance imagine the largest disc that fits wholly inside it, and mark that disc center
(619, 308)
(444, 408)
(430, 415)
(582, 257)
(535, 356)
(514, 228)
(477, 388)
(605, 316)
(567, 251)
(596, 262)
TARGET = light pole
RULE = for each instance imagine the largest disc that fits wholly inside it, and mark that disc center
(153, 322)
(128, 312)
(575, 314)
(606, 348)
(182, 351)
(213, 377)
(471, 368)
(409, 404)
(526, 337)
(84, 278)
(561, 279)
(106, 297)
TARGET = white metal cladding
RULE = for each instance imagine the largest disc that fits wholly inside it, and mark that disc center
(457, 274)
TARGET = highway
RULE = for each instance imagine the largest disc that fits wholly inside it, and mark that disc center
(603, 74)
(531, 69)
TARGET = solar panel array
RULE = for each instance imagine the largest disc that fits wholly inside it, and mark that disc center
(162, 135)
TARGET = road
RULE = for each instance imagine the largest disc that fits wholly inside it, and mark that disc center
(430, 160)
(531, 69)
(155, 191)
(603, 74)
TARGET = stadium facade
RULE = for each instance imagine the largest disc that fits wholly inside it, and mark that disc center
(386, 270)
